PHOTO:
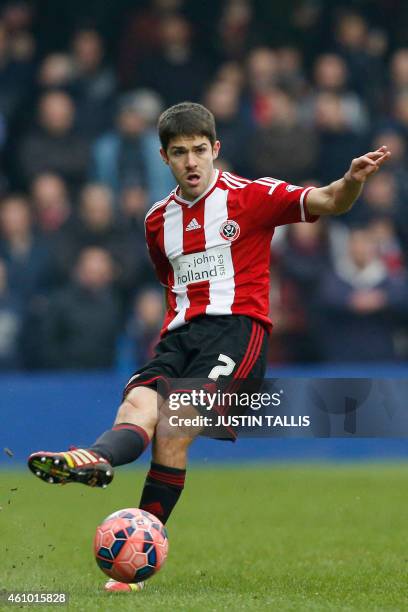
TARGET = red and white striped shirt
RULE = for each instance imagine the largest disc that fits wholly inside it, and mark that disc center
(213, 254)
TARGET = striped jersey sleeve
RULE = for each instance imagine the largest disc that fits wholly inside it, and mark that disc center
(275, 202)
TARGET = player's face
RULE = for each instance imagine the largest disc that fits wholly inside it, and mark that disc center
(191, 160)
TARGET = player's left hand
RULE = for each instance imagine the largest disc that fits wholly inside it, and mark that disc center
(365, 166)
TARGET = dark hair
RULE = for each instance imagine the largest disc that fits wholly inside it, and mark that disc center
(186, 119)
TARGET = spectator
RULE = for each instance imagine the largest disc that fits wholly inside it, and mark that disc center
(331, 76)
(54, 145)
(51, 204)
(223, 100)
(268, 69)
(281, 142)
(388, 244)
(288, 318)
(291, 77)
(144, 325)
(56, 71)
(236, 31)
(83, 319)
(17, 17)
(231, 73)
(302, 259)
(98, 226)
(311, 28)
(25, 254)
(304, 256)
(16, 69)
(176, 72)
(379, 200)
(133, 201)
(399, 113)
(11, 320)
(141, 36)
(360, 303)
(130, 153)
(363, 50)
(54, 219)
(398, 163)
(338, 142)
(262, 76)
(381, 196)
(94, 85)
(399, 71)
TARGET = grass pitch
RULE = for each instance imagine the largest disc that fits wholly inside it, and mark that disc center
(242, 538)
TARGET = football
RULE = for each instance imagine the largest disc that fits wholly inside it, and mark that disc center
(130, 545)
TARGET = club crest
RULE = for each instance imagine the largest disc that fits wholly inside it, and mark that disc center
(230, 230)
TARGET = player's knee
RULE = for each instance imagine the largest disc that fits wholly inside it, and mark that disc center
(139, 407)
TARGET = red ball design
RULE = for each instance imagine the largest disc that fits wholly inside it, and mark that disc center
(131, 545)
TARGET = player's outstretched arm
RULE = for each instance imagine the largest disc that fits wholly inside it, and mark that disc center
(338, 197)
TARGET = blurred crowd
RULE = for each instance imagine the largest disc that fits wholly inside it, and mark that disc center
(297, 89)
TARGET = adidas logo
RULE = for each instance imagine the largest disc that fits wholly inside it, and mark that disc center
(193, 225)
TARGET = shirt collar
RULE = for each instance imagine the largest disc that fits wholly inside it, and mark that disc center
(189, 203)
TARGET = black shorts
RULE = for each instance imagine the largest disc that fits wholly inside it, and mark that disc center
(222, 350)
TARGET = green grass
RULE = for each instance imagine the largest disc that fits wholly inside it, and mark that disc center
(244, 538)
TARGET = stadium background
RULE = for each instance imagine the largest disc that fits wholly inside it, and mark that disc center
(298, 89)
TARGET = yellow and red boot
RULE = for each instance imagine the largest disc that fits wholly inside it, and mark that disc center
(76, 465)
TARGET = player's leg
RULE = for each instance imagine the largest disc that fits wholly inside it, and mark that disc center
(164, 482)
(131, 433)
(218, 337)
(133, 428)
(165, 479)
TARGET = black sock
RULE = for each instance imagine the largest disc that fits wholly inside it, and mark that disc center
(122, 444)
(162, 490)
